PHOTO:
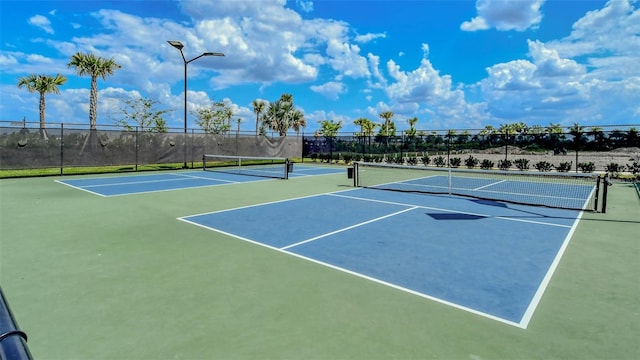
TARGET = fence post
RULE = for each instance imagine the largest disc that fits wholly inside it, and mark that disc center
(136, 147)
(61, 149)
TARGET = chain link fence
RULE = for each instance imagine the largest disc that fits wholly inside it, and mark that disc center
(614, 150)
(25, 146)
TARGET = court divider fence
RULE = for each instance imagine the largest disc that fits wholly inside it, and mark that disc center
(26, 146)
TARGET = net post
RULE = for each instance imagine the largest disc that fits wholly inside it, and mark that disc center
(355, 174)
(204, 163)
(286, 169)
(606, 184)
(595, 201)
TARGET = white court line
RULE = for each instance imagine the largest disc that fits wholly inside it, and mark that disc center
(493, 183)
(186, 177)
(528, 314)
(354, 273)
(348, 228)
(456, 211)
(524, 321)
(79, 188)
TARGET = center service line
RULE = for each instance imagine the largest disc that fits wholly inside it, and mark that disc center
(348, 228)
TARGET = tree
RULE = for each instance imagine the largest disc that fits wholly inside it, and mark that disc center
(577, 131)
(215, 119)
(555, 133)
(598, 137)
(412, 127)
(258, 109)
(329, 129)
(367, 128)
(388, 127)
(297, 121)
(42, 84)
(94, 66)
(282, 115)
(141, 112)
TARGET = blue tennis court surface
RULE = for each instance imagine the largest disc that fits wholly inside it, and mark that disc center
(137, 183)
(485, 257)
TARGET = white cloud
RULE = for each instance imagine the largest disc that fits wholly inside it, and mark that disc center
(41, 22)
(369, 37)
(608, 37)
(346, 59)
(331, 90)
(590, 76)
(305, 5)
(505, 15)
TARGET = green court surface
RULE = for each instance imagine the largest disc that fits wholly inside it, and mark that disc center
(89, 277)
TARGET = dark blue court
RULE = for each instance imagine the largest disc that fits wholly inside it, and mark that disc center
(144, 183)
(485, 257)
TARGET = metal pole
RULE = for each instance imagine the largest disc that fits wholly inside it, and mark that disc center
(61, 148)
(184, 165)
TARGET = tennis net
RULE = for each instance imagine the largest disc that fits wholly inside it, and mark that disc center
(271, 167)
(556, 190)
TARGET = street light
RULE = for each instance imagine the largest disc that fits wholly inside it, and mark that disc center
(178, 45)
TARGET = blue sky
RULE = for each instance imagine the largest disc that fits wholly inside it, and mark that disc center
(451, 64)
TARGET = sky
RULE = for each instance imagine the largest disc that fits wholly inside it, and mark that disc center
(452, 64)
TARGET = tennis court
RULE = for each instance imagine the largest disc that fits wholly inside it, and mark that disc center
(135, 184)
(313, 268)
(491, 259)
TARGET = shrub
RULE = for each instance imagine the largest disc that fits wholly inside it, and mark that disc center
(471, 162)
(440, 161)
(395, 159)
(314, 156)
(634, 168)
(412, 160)
(543, 166)
(504, 164)
(522, 164)
(455, 162)
(614, 169)
(486, 164)
(587, 167)
(564, 167)
(425, 160)
(347, 158)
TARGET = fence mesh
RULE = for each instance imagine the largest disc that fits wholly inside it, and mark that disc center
(611, 150)
(24, 147)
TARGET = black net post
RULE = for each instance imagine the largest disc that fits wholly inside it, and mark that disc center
(606, 183)
(597, 194)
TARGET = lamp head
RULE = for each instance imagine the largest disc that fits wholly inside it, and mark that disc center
(176, 44)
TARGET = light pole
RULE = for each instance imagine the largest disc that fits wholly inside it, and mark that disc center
(178, 45)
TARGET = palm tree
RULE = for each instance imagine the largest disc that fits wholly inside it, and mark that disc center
(387, 126)
(555, 133)
(598, 137)
(94, 66)
(282, 115)
(258, 109)
(412, 127)
(42, 84)
(297, 120)
(386, 115)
